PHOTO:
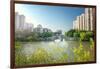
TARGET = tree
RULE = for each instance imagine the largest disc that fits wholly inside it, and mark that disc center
(70, 33)
(46, 34)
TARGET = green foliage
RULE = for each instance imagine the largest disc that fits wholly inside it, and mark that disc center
(63, 58)
(20, 59)
(70, 33)
(40, 56)
(34, 36)
(91, 43)
(84, 35)
(17, 45)
(80, 53)
(46, 34)
(89, 35)
(29, 38)
(76, 34)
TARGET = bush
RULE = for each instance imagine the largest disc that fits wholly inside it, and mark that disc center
(83, 35)
(46, 34)
(70, 33)
(81, 54)
(20, 59)
(40, 56)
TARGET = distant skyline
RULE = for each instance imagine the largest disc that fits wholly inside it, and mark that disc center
(52, 17)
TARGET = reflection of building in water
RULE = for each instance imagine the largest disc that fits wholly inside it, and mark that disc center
(85, 21)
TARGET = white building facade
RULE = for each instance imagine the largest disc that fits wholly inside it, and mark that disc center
(85, 21)
(21, 25)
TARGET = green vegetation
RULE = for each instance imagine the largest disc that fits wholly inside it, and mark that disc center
(20, 59)
(91, 43)
(34, 37)
(84, 35)
(17, 45)
(27, 38)
(80, 53)
(70, 33)
(45, 34)
(40, 56)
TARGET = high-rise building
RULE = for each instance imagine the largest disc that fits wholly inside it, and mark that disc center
(85, 21)
(28, 27)
(93, 19)
(74, 24)
(89, 18)
(78, 22)
(17, 23)
(21, 25)
(82, 21)
(22, 22)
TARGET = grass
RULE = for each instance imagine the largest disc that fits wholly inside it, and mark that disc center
(39, 56)
(81, 54)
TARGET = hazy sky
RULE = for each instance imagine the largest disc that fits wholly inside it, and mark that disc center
(52, 17)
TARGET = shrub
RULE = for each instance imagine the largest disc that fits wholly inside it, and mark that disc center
(40, 56)
(84, 35)
(81, 54)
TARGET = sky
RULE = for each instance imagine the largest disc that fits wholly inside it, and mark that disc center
(52, 17)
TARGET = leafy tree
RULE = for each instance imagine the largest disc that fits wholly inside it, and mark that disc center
(84, 35)
(46, 34)
(70, 33)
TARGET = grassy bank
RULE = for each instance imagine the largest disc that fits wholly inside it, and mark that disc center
(42, 56)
